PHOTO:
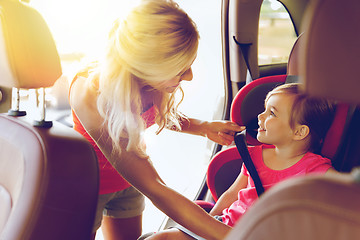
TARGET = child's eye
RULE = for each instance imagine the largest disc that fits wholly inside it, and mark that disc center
(272, 114)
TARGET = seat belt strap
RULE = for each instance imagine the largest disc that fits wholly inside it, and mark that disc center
(240, 141)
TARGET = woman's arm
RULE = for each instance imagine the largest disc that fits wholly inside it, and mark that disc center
(141, 174)
(230, 195)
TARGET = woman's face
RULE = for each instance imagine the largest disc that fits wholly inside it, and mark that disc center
(171, 85)
(274, 122)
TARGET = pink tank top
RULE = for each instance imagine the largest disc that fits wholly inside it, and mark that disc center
(110, 179)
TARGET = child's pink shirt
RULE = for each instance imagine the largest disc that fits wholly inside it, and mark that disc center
(310, 163)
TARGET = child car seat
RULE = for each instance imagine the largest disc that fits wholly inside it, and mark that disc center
(247, 104)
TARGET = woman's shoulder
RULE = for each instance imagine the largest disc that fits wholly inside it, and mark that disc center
(83, 102)
(80, 94)
(84, 86)
(84, 78)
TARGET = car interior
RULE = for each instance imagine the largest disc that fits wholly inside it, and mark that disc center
(47, 169)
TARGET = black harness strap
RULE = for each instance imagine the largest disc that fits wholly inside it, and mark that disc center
(240, 141)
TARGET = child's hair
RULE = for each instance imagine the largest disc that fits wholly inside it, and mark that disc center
(316, 113)
(153, 44)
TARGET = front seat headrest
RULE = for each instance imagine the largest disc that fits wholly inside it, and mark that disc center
(329, 60)
(28, 52)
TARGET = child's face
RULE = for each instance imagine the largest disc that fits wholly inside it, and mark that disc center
(274, 122)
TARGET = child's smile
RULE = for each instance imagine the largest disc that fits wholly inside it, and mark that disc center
(274, 122)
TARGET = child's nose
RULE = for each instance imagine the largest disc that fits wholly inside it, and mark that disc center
(261, 116)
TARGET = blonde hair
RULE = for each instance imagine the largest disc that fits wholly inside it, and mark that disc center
(153, 44)
(314, 112)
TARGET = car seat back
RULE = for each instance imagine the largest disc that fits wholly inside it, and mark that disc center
(48, 172)
(313, 207)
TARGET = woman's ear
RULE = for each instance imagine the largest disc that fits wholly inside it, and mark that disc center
(301, 132)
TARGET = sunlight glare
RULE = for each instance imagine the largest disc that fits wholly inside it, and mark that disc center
(81, 26)
(275, 5)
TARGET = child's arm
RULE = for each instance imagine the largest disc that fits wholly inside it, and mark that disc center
(331, 171)
(230, 195)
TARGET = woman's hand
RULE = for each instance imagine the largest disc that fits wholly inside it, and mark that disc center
(221, 132)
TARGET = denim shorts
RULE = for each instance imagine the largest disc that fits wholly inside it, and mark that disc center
(127, 203)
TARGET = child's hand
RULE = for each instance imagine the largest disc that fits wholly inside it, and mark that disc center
(222, 132)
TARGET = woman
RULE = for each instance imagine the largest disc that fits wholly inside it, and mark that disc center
(132, 87)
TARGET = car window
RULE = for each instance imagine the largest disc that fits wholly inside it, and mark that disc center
(276, 33)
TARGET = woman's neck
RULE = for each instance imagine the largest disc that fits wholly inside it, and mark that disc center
(147, 97)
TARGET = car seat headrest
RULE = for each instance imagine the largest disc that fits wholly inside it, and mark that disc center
(29, 58)
(249, 102)
(293, 62)
(330, 53)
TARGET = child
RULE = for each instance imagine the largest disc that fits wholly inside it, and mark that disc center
(292, 128)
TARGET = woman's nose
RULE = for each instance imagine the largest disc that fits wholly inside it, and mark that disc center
(187, 76)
